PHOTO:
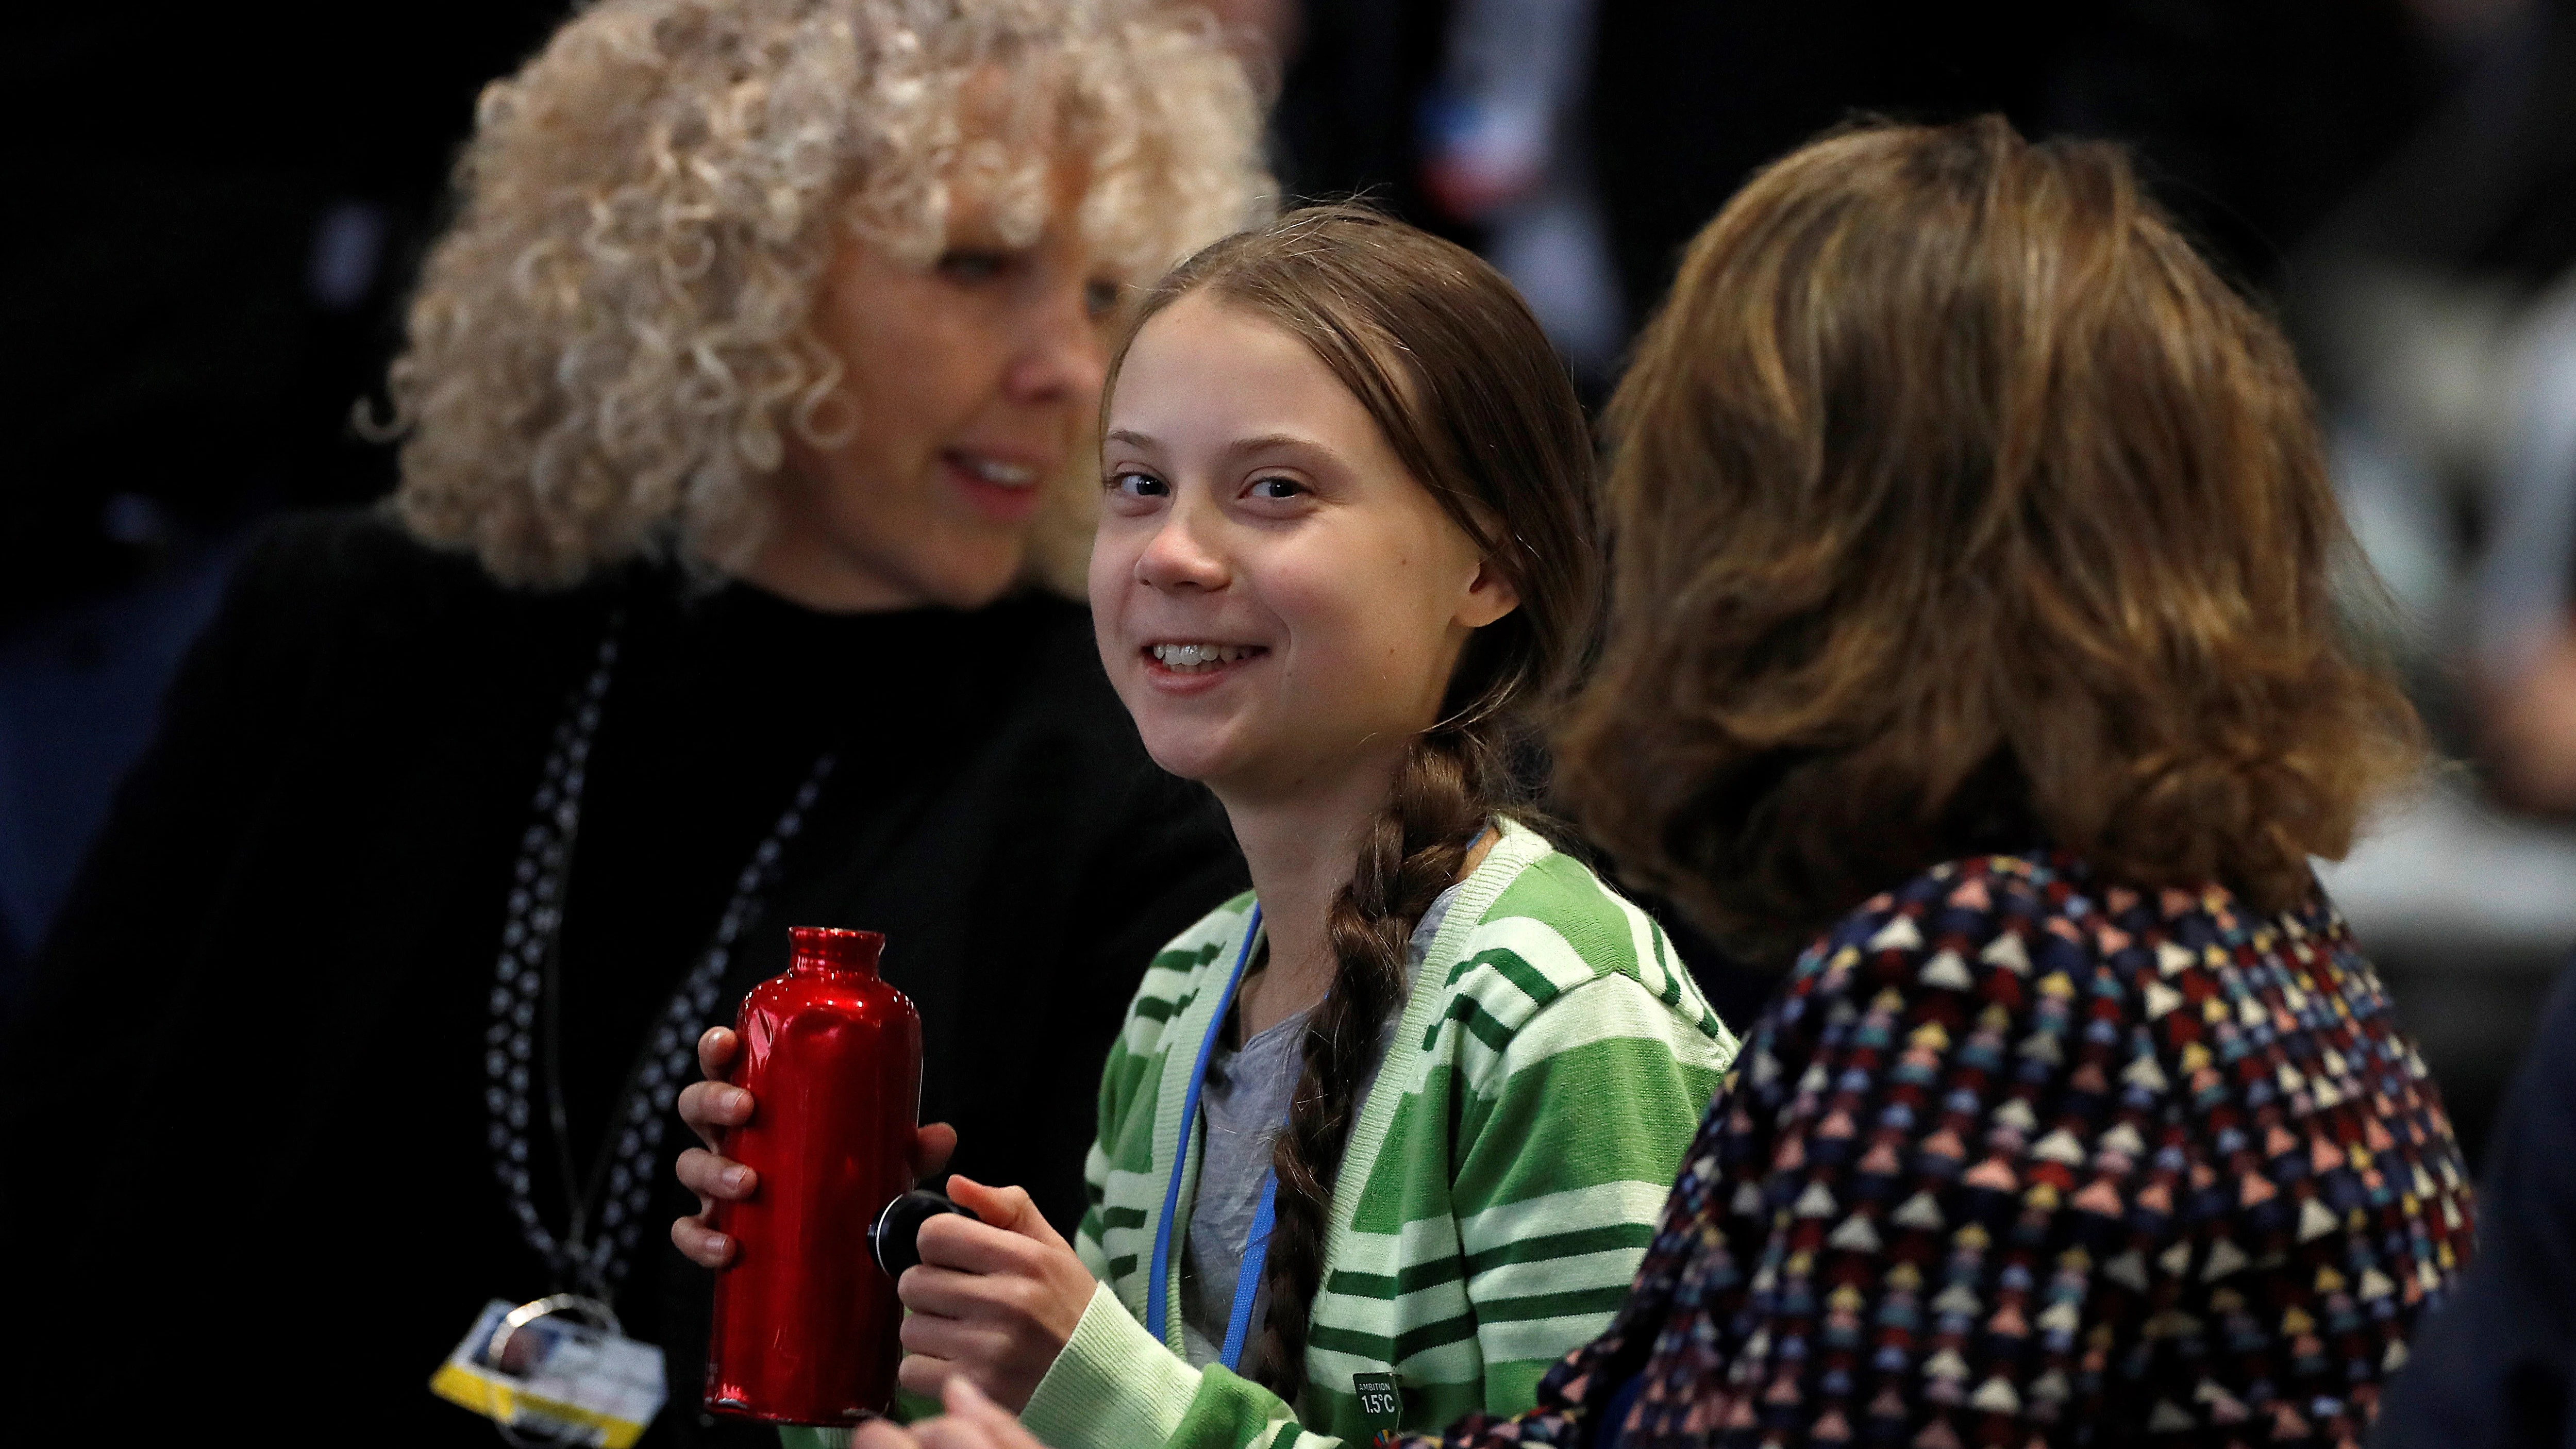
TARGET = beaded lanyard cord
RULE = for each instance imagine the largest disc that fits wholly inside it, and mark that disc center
(527, 999)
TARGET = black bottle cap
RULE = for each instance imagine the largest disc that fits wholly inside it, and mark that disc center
(895, 1238)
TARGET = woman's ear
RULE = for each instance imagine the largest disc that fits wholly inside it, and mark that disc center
(1489, 596)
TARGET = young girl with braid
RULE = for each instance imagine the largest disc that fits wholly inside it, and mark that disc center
(1386, 1136)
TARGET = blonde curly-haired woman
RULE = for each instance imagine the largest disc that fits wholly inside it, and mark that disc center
(741, 416)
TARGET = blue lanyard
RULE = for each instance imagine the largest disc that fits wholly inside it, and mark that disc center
(1256, 1246)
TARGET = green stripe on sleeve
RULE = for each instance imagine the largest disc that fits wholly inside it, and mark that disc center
(1641, 1108)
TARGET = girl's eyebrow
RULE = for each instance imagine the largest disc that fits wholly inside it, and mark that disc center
(1269, 442)
(1240, 447)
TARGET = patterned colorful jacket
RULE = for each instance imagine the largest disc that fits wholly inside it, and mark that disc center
(2020, 1157)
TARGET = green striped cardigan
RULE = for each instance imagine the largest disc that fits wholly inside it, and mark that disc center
(1500, 1187)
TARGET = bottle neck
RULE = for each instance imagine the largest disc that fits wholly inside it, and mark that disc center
(816, 951)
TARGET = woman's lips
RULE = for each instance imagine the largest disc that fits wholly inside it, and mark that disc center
(1006, 490)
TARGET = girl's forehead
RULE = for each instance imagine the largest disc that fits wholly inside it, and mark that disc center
(1223, 357)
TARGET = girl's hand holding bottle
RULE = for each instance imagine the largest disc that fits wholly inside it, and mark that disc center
(992, 1302)
(710, 1107)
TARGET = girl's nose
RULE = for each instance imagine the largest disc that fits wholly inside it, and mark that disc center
(1177, 557)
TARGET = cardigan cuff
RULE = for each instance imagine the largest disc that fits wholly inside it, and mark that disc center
(1114, 1386)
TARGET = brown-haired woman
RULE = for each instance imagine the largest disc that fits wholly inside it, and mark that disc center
(1972, 622)
(1975, 608)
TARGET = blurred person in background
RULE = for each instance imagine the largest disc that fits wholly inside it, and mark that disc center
(1973, 640)
(744, 403)
(2527, 590)
(2440, 303)
(2437, 307)
(1507, 151)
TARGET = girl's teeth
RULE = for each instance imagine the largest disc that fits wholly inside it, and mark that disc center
(1198, 656)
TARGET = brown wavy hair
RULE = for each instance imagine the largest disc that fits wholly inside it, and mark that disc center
(1957, 505)
(1447, 359)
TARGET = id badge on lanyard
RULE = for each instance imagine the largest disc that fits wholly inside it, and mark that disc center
(557, 1371)
(560, 1369)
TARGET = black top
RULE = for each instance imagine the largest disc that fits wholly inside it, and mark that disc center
(254, 1050)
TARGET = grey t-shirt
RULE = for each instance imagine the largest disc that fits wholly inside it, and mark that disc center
(1242, 1106)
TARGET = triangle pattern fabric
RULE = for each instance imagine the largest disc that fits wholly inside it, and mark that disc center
(2009, 1110)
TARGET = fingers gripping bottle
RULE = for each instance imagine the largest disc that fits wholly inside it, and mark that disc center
(805, 1320)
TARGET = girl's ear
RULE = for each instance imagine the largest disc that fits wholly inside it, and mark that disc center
(1489, 596)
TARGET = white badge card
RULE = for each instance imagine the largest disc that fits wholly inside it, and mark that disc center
(555, 1379)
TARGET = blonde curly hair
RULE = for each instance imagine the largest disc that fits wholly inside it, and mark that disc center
(609, 342)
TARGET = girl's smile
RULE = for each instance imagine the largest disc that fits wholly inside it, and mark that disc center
(1199, 664)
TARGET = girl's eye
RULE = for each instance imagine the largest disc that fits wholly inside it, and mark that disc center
(1138, 485)
(968, 264)
(1274, 489)
(1100, 299)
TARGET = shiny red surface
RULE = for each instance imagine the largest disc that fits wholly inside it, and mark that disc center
(805, 1322)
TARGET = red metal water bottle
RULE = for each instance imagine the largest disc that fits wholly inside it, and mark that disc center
(805, 1320)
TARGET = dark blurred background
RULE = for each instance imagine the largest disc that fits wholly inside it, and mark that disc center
(227, 206)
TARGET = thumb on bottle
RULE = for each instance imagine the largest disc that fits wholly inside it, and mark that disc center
(1007, 1208)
